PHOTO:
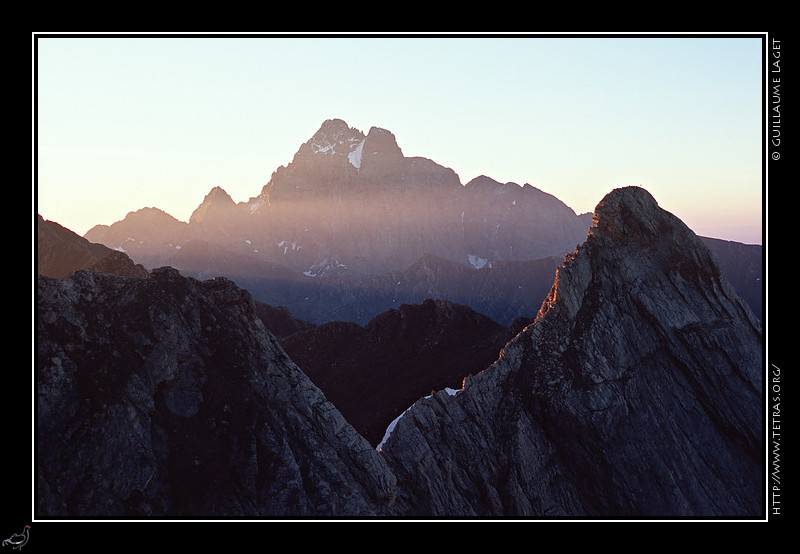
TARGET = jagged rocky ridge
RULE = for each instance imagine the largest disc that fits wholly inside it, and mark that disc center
(166, 396)
(636, 392)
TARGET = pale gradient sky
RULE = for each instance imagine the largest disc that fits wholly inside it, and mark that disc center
(126, 123)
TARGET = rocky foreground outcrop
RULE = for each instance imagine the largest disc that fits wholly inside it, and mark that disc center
(636, 392)
(166, 396)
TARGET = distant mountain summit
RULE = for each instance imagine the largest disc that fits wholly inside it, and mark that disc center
(509, 222)
(340, 160)
(636, 392)
(148, 235)
(352, 213)
(216, 206)
(334, 137)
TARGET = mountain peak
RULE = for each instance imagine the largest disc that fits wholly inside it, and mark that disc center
(632, 214)
(381, 141)
(218, 194)
(641, 366)
(634, 242)
(335, 136)
(215, 204)
(332, 127)
(482, 183)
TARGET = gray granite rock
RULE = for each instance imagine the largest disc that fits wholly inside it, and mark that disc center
(635, 392)
(167, 397)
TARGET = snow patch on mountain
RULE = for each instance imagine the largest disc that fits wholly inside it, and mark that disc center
(323, 148)
(336, 138)
(255, 203)
(287, 244)
(477, 262)
(355, 156)
(321, 268)
(393, 424)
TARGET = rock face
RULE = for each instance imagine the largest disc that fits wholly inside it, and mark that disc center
(636, 392)
(166, 397)
(743, 267)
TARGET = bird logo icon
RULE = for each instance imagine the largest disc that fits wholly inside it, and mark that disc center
(18, 540)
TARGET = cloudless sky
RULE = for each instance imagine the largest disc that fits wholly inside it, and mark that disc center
(126, 123)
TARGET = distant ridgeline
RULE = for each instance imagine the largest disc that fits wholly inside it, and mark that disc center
(351, 227)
